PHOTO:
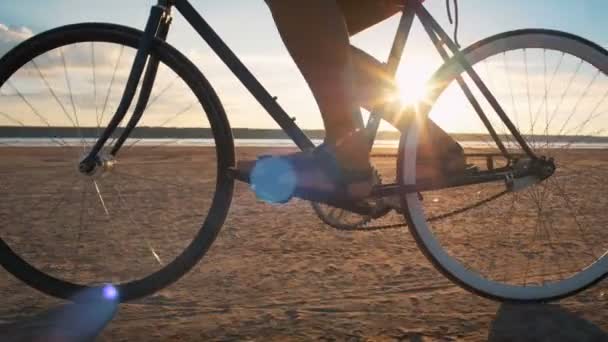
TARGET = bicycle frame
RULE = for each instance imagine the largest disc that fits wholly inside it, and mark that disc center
(157, 27)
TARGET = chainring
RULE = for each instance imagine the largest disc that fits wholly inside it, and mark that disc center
(346, 220)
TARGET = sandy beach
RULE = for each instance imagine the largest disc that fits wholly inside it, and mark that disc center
(275, 273)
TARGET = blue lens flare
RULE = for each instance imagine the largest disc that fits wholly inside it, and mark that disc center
(273, 180)
(110, 292)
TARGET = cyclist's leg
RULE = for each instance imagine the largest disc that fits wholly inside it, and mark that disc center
(372, 85)
(363, 14)
(371, 81)
(315, 33)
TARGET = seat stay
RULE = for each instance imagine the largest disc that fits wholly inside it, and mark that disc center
(443, 38)
(467, 91)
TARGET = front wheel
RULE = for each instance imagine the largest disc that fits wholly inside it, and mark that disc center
(143, 218)
(548, 240)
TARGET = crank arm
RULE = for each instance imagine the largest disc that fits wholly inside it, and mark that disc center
(358, 207)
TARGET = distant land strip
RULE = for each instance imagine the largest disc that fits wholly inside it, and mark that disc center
(16, 132)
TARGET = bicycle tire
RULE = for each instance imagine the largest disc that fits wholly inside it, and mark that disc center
(414, 213)
(224, 183)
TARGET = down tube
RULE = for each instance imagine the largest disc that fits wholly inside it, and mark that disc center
(244, 75)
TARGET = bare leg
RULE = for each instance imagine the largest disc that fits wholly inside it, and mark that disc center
(317, 38)
(372, 84)
(362, 14)
(342, 78)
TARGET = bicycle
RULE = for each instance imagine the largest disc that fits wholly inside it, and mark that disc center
(516, 165)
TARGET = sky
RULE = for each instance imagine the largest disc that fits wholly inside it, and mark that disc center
(247, 27)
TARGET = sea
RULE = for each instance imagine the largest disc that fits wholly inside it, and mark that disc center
(42, 142)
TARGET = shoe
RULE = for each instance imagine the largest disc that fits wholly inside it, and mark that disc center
(312, 175)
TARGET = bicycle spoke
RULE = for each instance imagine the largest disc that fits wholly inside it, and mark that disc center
(592, 115)
(540, 225)
(10, 118)
(107, 97)
(97, 118)
(50, 89)
(563, 94)
(578, 102)
(533, 143)
(59, 142)
(492, 262)
(574, 213)
(81, 219)
(545, 103)
(173, 117)
(545, 97)
(501, 127)
(57, 204)
(67, 80)
(103, 203)
(134, 223)
(589, 175)
(548, 230)
(569, 255)
(513, 106)
(163, 91)
(575, 138)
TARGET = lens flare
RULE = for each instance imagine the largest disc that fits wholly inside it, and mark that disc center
(110, 292)
(273, 180)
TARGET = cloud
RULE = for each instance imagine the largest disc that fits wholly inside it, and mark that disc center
(11, 36)
(76, 55)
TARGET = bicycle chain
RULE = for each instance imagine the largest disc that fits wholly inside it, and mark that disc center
(363, 226)
(366, 228)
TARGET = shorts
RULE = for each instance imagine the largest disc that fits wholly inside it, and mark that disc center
(362, 14)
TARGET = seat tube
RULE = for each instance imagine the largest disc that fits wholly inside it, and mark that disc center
(403, 32)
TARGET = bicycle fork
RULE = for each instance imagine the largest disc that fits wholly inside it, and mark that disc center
(157, 26)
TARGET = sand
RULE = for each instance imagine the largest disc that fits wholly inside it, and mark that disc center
(275, 273)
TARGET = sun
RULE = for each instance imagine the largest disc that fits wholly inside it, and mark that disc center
(412, 82)
(449, 108)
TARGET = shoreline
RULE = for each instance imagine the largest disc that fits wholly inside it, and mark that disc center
(246, 142)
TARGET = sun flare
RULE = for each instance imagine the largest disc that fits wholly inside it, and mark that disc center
(415, 87)
(412, 83)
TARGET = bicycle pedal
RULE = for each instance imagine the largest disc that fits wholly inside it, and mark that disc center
(238, 174)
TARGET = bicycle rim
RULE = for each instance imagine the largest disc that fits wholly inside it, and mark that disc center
(548, 240)
(148, 215)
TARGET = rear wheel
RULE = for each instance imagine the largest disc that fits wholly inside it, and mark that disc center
(549, 239)
(148, 215)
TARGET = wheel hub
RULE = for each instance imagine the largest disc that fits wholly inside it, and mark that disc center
(527, 173)
(546, 167)
(97, 166)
